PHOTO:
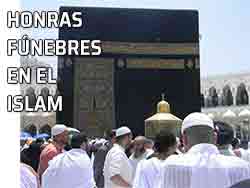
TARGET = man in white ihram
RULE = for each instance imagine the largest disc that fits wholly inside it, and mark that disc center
(71, 169)
(118, 172)
(202, 166)
(140, 152)
(148, 172)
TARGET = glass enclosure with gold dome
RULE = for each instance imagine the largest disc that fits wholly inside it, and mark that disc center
(162, 120)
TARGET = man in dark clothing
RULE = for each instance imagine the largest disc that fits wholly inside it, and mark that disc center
(31, 155)
(225, 135)
(100, 156)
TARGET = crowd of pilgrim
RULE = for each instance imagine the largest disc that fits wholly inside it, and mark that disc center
(206, 156)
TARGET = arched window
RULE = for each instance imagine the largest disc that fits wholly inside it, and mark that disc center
(45, 129)
(242, 97)
(227, 96)
(31, 129)
(45, 94)
(213, 96)
(30, 92)
(56, 95)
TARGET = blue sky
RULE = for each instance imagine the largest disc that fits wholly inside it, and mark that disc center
(224, 26)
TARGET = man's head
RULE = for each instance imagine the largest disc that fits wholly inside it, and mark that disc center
(225, 133)
(60, 134)
(139, 146)
(165, 143)
(236, 143)
(149, 144)
(110, 135)
(123, 136)
(79, 141)
(197, 128)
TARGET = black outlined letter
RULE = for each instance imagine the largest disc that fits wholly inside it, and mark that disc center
(11, 46)
(13, 19)
(41, 75)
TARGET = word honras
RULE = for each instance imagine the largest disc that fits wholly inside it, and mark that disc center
(43, 19)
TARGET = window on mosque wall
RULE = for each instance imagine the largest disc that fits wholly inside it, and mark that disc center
(30, 92)
(57, 94)
(212, 99)
(45, 93)
(227, 96)
(242, 97)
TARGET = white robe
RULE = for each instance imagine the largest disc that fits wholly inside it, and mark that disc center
(71, 169)
(135, 161)
(148, 174)
(203, 167)
(117, 163)
(28, 179)
(245, 154)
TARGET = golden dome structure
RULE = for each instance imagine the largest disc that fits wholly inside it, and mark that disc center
(162, 120)
(163, 106)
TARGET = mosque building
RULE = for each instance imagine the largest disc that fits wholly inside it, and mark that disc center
(226, 97)
(36, 122)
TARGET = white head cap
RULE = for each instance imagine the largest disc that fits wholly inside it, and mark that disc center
(122, 131)
(58, 129)
(196, 119)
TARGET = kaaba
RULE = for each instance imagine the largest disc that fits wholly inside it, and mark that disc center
(145, 53)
